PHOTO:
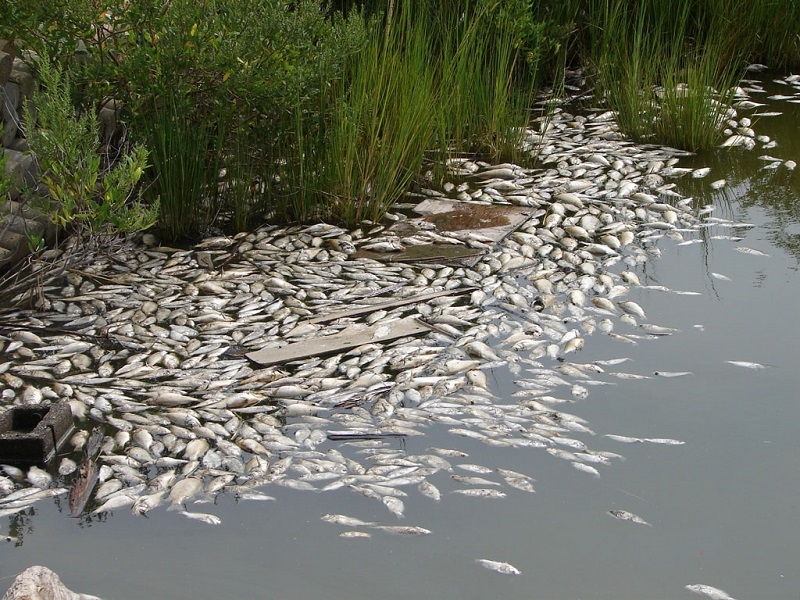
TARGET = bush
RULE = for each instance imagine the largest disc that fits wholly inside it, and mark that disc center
(81, 196)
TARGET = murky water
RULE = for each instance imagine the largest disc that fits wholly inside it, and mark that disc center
(723, 506)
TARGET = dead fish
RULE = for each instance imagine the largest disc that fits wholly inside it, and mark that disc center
(355, 534)
(624, 515)
(395, 505)
(500, 567)
(585, 468)
(720, 276)
(346, 521)
(746, 364)
(145, 504)
(520, 484)
(631, 308)
(665, 441)
(709, 591)
(480, 493)
(623, 438)
(204, 517)
(67, 466)
(619, 375)
(469, 480)
(429, 490)
(753, 251)
(183, 490)
(672, 373)
(39, 477)
(403, 529)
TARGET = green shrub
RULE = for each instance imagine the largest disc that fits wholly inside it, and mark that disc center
(82, 197)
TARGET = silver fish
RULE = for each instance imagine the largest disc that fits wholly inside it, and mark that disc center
(480, 493)
(753, 251)
(746, 364)
(500, 567)
(709, 591)
(624, 515)
(204, 517)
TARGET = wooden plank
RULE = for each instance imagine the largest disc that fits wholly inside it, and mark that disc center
(388, 304)
(352, 337)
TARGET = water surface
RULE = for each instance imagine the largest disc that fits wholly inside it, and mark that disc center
(723, 506)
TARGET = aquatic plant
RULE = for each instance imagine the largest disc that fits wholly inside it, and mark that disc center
(666, 85)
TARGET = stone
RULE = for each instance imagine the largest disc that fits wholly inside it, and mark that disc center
(22, 169)
(40, 583)
(20, 144)
(10, 100)
(21, 75)
(8, 47)
(6, 64)
(107, 119)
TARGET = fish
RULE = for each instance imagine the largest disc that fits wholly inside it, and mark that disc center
(709, 591)
(395, 505)
(499, 567)
(624, 515)
(747, 250)
(665, 441)
(403, 529)
(203, 517)
(355, 534)
(429, 490)
(623, 438)
(480, 493)
(346, 521)
(746, 364)
(184, 490)
(585, 468)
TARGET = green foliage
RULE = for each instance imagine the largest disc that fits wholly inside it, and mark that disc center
(6, 183)
(668, 83)
(81, 196)
(382, 123)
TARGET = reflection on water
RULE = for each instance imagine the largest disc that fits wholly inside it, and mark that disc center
(722, 506)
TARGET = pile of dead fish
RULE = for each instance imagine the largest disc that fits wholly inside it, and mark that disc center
(150, 343)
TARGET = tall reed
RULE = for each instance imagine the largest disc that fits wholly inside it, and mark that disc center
(185, 157)
(486, 87)
(382, 122)
(669, 83)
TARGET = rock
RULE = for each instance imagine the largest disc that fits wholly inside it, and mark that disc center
(22, 75)
(6, 64)
(7, 46)
(10, 99)
(107, 118)
(40, 583)
(20, 144)
(22, 169)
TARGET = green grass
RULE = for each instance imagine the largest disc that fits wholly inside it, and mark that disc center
(668, 85)
(185, 161)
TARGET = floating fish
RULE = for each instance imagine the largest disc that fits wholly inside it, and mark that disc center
(709, 591)
(746, 364)
(665, 441)
(480, 493)
(500, 567)
(672, 373)
(204, 517)
(624, 515)
(753, 251)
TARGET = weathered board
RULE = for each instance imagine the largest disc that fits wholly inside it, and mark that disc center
(393, 303)
(352, 337)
